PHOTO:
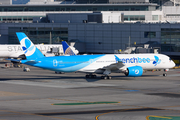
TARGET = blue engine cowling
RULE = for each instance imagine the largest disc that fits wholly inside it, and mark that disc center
(134, 71)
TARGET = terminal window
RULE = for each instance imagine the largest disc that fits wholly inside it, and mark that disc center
(170, 40)
(155, 17)
(149, 34)
(134, 17)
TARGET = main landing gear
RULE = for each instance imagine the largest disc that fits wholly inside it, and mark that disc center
(91, 76)
(106, 77)
(94, 76)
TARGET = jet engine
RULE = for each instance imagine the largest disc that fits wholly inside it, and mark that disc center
(134, 71)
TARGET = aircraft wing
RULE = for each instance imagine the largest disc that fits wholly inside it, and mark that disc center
(115, 66)
(119, 65)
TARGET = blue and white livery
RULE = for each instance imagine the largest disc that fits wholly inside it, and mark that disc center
(130, 64)
(28, 47)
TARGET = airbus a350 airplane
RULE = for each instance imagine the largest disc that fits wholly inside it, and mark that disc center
(130, 64)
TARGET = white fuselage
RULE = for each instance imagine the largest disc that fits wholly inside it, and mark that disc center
(129, 60)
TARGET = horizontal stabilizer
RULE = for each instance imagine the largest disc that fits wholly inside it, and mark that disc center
(14, 60)
(33, 62)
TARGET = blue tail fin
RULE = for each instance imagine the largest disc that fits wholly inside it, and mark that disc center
(67, 49)
(28, 47)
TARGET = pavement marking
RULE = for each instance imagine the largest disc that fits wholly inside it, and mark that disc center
(158, 108)
(154, 117)
(97, 117)
(113, 111)
(110, 103)
(139, 107)
(147, 118)
(115, 103)
(3, 93)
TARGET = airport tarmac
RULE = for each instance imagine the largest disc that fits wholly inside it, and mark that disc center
(42, 94)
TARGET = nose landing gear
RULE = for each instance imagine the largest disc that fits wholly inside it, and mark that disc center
(165, 72)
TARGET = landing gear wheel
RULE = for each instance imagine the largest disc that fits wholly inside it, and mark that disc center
(105, 77)
(93, 76)
(109, 77)
(164, 74)
(87, 76)
(90, 76)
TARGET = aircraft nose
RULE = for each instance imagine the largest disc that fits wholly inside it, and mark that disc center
(173, 64)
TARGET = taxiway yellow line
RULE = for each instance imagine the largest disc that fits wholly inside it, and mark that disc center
(97, 117)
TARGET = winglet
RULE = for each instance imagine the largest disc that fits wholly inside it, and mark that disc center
(67, 49)
(28, 47)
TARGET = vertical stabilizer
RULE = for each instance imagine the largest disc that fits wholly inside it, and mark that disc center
(28, 47)
(67, 50)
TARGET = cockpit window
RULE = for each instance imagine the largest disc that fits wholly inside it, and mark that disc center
(169, 58)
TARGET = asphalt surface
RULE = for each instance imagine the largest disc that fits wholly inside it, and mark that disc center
(35, 95)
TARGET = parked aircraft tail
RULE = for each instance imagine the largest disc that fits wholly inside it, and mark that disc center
(67, 49)
(28, 47)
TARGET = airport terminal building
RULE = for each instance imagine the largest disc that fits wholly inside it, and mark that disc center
(102, 25)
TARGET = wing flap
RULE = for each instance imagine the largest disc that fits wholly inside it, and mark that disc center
(115, 66)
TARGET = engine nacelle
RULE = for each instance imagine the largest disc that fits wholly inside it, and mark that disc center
(134, 71)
